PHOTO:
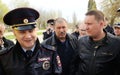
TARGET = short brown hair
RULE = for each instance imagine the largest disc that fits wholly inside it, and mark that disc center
(60, 20)
(98, 14)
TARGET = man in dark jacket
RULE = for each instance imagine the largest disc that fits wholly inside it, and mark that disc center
(65, 43)
(76, 32)
(27, 57)
(4, 43)
(99, 52)
(108, 28)
(49, 31)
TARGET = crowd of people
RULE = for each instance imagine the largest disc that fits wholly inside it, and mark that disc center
(90, 50)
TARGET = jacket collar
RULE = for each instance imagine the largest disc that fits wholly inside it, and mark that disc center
(103, 41)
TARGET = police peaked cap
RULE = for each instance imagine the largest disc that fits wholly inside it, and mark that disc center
(118, 10)
(50, 21)
(117, 25)
(21, 18)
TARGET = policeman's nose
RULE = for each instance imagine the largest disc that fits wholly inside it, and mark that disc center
(28, 35)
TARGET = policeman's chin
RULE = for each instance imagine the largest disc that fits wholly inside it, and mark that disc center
(28, 45)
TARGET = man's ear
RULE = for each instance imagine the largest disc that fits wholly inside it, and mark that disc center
(36, 29)
(13, 32)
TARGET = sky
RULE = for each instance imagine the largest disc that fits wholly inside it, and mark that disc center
(67, 7)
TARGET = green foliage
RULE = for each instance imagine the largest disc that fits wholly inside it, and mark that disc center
(39, 33)
(10, 36)
(3, 10)
(110, 7)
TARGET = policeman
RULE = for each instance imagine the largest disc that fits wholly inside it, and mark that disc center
(118, 10)
(99, 51)
(76, 32)
(49, 31)
(27, 57)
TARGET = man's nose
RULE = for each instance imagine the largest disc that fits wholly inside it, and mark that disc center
(28, 34)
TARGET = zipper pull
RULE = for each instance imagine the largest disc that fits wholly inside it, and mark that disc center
(95, 50)
(94, 53)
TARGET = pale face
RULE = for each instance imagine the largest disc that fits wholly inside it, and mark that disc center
(2, 30)
(117, 31)
(93, 28)
(61, 30)
(50, 27)
(26, 38)
(82, 29)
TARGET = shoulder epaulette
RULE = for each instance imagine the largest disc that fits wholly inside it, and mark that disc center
(49, 47)
(4, 51)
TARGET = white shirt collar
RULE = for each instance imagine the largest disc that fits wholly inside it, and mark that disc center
(32, 49)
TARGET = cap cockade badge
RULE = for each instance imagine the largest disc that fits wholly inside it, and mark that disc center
(25, 21)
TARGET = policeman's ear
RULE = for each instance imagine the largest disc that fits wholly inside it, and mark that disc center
(13, 30)
(36, 29)
(54, 27)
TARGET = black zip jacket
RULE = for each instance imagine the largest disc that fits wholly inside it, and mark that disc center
(99, 58)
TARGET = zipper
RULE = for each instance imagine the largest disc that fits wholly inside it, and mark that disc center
(92, 64)
(94, 53)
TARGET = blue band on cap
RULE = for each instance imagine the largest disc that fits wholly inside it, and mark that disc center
(25, 27)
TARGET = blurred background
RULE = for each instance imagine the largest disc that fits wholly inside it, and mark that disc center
(72, 10)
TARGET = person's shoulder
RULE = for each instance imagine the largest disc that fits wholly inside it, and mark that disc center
(7, 40)
(5, 51)
(84, 38)
(73, 33)
(48, 47)
(49, 39)
(113, 38)
(71, 36)
(44, 32)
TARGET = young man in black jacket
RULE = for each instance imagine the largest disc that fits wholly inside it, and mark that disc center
(99, 51)
(49, 30)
